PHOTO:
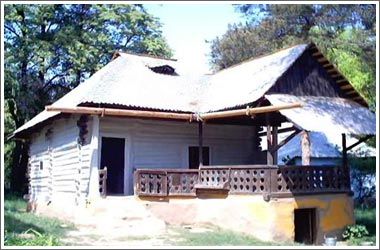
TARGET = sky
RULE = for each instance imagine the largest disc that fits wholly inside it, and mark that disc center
(186, 28)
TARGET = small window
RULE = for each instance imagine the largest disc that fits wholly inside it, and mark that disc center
(41, 165)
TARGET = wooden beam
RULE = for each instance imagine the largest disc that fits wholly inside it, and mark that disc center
(305, 146)
(348, 86)
(249, 111)
(172, 115)
(335, 75)
(322, 60)
(122, 112)
(344, 151)
(286, 140)
(359, 141)
(282, 130)
(353, 91)
(341, 80)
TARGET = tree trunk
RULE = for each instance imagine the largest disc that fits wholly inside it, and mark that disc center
(19, 166)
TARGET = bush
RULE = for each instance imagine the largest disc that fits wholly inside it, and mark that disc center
(354, 232)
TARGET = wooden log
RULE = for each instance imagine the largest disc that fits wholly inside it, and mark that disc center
(122, 112)
(171, 115)
(305, 146)
(249, 111)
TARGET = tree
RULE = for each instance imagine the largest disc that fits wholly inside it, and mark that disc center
(345, 33)
(51, 48)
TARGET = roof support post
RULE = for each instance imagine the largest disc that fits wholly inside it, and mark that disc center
(93, 191)
(346, 167)
(305, 146)
(271, 142)
(200, 143)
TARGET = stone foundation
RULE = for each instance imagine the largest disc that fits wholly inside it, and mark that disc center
(268, 221)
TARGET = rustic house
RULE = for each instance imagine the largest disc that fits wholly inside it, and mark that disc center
(142, 126)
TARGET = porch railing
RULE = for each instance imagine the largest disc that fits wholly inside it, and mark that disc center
(269, 181)
(103, 182)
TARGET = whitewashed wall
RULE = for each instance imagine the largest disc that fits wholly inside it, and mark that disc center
(164, 144)
(65, 171)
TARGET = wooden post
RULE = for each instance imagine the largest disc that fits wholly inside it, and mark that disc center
(346, 167)
(93, 191)
(274, 144)
(269, 146)
(305, 146)
(200, 141)
(344, 151)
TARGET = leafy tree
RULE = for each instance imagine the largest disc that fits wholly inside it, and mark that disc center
(345, 33)
(51, 48)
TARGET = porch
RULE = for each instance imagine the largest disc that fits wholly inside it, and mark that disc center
(268, 181)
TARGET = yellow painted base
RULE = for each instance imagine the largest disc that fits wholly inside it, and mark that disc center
(272, 221)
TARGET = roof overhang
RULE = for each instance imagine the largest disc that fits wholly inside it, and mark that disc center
(327, 114)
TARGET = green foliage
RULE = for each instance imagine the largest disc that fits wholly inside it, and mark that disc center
(354, 231)
(345, 33)
(28, 229)
(34, 239)
(50, 48)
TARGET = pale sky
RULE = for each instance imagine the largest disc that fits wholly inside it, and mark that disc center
(187, 26)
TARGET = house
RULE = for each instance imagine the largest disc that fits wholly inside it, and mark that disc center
(143, 126)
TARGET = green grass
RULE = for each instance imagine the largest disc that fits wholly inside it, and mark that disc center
(28, 229)
(366, 217)
(220, 237)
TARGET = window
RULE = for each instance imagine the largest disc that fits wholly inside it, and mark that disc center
(41, 165)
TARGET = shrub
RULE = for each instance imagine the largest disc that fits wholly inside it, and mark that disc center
(354, 232)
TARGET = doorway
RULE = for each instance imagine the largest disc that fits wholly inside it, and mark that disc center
(112, 157)
(194, 157)
(305, 225)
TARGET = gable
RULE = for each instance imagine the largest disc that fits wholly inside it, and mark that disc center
(306, 77)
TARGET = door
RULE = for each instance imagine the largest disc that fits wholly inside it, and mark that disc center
(194, 157)
(305, 225)
(112, 157)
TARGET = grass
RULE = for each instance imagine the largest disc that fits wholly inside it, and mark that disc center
(366, 217)
(28, 229)
(220, 237)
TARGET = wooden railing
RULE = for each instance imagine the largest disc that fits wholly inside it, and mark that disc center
(103, 182)
(269, 181)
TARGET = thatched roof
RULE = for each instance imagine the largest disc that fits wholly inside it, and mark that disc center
(129, 81)
(327, 114)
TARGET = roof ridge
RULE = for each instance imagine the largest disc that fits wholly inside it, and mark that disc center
(261, 56)
(117, 54)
